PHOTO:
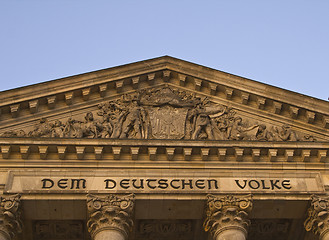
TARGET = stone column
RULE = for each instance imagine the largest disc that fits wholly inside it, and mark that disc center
(227, 217)
(318, 217)
(10, 217)
(110, 217)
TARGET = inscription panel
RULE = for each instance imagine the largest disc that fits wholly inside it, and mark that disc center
(165, 229)
(270, 229)
(59, 230)
(20, 182)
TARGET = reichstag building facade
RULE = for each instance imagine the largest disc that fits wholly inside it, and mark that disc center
(162, 149)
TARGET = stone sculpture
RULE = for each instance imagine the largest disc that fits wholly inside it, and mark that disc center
(318, 217)
(10, 216)
(110, 213)
(162, 113)
(227, 216)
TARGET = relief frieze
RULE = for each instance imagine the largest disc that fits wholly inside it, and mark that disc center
(162, 113)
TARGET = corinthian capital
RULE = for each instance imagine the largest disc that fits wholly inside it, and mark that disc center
(226, 213)
(318, 217)
(10, 216)
(110, 213)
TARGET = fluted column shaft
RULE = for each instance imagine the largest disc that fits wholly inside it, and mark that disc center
(231, 234)
(227, 217)
(318, 217)
(110, 217)
(109, 235)
(10, 217)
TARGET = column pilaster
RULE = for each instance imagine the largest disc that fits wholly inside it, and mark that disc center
(110, 217)
(227, 217)
(10, 217)
(318, 217)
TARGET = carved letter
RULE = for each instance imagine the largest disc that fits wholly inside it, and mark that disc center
(107, 186)
(189, 183)
(163, 183)
(200, 183)
(215, 183)
(62, 183)
(148, 183)
(286, 184)
(124, 183)
(264, 185)
(172, 185)
(240, 186)
(141, 185)
(44, 183)
(251, 185)
(274, 184)
(77, 182)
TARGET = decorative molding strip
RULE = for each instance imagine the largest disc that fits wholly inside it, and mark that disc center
(108, 149)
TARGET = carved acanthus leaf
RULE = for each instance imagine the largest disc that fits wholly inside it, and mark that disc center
(10, 216)
(228, 212)
(110, 212)
(318, 216)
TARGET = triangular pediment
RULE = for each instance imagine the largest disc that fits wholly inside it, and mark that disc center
(162, 98)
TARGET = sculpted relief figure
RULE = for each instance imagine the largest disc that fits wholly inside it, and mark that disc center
(124, 119)
(58, 129)
(237, 131)
(12, 133)
(263, 134)
(42, 129)
(200, 120)
(284, 133)
(134, 123)
(72, 128)
(90, 128)
(167, 96)
(161, 113)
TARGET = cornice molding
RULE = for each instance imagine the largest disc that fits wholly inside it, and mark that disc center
(164, 150)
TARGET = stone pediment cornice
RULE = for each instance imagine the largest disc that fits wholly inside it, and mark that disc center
(36, 101)
(163, 150)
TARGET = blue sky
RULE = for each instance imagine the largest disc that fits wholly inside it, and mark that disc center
(281, 43)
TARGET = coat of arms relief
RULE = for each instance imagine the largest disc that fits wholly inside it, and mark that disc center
(162, 113)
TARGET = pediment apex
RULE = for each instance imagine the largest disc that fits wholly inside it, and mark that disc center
(34, 101)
